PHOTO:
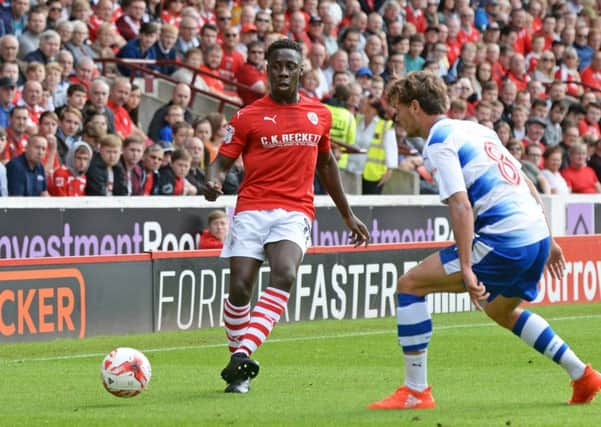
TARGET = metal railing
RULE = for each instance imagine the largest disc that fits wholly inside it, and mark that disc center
(141, 68)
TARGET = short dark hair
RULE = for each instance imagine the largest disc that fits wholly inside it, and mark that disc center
(76, 87)
(283, 44)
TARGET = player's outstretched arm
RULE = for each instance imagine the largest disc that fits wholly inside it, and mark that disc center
(327, 170)
(556, 262)
(216, 175)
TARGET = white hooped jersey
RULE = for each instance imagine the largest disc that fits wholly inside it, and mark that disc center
(465, 156)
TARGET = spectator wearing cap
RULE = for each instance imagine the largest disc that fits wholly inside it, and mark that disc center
(141, 47)
(486, 14)
(47, 50)
(13, 19)
(130, 23)
(492, 34)
(315, 30)
(25, 173)
(253, 74)
(364, 76)
(535, 131)
(591, 75)
(36, 24)
(7, 93)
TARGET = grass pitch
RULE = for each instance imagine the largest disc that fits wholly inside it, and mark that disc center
(313, 374)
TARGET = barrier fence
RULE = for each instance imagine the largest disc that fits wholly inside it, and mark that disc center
(77, 297)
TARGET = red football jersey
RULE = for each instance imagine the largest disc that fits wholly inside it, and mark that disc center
(279, 145)
(63, 183)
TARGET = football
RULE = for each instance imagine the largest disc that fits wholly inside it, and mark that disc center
(125, 372)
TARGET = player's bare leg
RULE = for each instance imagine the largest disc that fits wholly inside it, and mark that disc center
(236, 316)
(284, 259)
(414, 329)
(536, 332)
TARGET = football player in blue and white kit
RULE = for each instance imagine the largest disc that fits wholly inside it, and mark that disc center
(502, 242)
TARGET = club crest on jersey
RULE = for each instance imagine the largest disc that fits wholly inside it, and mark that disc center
(312, 117)
(229, 134)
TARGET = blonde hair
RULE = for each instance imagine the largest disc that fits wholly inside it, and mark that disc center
(111, 141)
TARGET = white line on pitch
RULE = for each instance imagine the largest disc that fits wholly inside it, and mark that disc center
(283, 340)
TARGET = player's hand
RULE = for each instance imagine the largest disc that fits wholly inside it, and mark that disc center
(556, 262)
(213, 190)
(359, 232)
(475, 288)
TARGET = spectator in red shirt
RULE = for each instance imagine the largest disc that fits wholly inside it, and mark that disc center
(16, 133)
(212, 59)
(252, 74)
(118, 97)
(580, 177)
(172, 12)
(591, 75)
(214, 235)
(467, 32)
(453, 41)
(519, 21)
(130, 22)
(70, 179)
(30, 100)
(590, 124)
(84, 72)
(232, 58)
(517, 72)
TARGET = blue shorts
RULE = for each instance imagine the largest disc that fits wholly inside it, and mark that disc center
(511, 272)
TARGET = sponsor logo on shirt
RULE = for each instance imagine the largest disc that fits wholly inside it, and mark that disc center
(270, 119)
(229, 133)
(288, 139)
(313, 118)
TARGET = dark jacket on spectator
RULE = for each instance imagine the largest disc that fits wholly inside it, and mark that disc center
(137, 189)
(23, 181)
(158, 121)
(98, 178)
(160, 55)
(132, 50)
(196, 177)
(37, 56)
(169, 184)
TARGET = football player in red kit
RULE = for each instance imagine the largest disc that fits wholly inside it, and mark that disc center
(283, 139)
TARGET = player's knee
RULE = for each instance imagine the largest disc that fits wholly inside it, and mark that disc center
(283, 278)
(405, 284)
(240, 292)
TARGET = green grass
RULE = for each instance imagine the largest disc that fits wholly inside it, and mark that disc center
(313, 374)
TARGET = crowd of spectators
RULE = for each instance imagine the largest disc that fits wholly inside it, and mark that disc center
(69, 125)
